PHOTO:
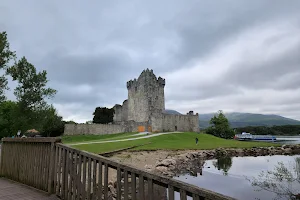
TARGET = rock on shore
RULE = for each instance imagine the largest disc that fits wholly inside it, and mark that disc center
(184, 163)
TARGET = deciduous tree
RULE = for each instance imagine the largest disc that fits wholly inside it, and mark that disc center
(103, 115)
(5, 56)
(220, 126)
(31, 91)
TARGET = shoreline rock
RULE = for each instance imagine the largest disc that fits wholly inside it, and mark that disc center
(192, 162)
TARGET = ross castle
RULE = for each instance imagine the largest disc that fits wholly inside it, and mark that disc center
(144, 110)
(145, 107)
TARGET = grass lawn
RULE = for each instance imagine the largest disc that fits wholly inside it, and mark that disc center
(174, 141)
(84, 138)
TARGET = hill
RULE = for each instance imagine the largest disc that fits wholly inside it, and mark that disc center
(173, 112)
(249, 119)
(237, 119)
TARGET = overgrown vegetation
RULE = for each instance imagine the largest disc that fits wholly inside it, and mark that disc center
(30, 110)
(274, 130)
(220, 126)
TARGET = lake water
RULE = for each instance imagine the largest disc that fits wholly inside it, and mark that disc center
(228, 176)
(288, 139)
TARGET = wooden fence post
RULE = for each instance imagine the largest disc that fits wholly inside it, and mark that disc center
(51, 169)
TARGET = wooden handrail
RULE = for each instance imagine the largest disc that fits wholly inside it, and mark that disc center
(156, 178)
(32, 139)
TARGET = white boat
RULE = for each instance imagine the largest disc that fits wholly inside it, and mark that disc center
(249, 136)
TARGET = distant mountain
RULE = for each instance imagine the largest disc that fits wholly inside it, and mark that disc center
(237, 119)
(249, 119)
(172, 112)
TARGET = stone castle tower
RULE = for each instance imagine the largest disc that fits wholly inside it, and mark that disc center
(145, 96)
(145, 107)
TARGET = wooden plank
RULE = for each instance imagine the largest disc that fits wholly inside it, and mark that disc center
(150, 189)
(195, 197)
(126, 185)
(141, 187)
(79, 183)
(105, 181)
(44, 162)
(100, 192)
(67, 173)
(94, 170)
(40, 166)
(182, 195)
(203, 198)
(29, 164)
(2, 171)
(47, 168)
(55, 170)
(32, 140)
(70, 169)
(75, 176)
(119, 193)
(89, 179)
(171, 192)
(58, 170)
(63, 175)
(83, 193)
(133, 186)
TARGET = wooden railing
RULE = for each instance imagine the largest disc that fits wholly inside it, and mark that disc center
(74, 174)
(29, 161)
(83, 175)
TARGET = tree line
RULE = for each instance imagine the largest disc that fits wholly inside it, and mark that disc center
(30, 110)
(274, 130)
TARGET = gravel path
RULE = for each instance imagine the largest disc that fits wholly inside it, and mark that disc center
(122, 140)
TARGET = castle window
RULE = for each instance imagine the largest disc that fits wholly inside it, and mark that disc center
(136, 89)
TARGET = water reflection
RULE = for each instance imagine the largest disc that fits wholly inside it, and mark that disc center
(228, 175)
(224, 164)
(283, 180)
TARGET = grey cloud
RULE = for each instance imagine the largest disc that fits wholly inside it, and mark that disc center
(206, 26)
(103, 44)
(214, 89)
(104, 69)
(97, 96)
(264, 74)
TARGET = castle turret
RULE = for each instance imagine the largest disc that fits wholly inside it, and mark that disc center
(145, 96)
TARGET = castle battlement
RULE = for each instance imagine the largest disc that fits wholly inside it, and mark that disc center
(147, 76)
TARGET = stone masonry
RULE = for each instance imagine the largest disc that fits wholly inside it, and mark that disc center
(142, 111)
(146, 104)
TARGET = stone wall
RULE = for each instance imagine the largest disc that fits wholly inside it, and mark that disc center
(170, 122)
(156, 121)
(94, 129)
(183, 123)
(125, 111)
(118, 113)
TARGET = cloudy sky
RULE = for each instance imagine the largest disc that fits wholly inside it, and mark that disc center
(234, 55)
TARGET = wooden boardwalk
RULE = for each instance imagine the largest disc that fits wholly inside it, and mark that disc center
(10, 190)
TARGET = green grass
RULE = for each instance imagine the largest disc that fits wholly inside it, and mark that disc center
(84, 138)
(175, 141)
